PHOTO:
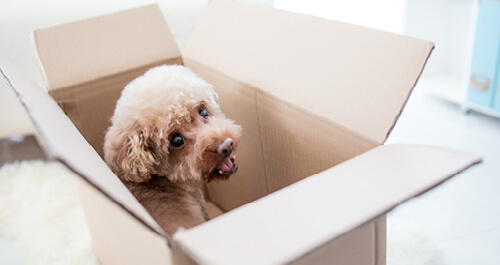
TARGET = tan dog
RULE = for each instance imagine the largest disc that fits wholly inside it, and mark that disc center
(168, 136)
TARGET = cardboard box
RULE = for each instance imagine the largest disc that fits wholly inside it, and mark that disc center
(316, 100)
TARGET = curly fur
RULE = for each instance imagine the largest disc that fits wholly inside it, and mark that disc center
(168, 181)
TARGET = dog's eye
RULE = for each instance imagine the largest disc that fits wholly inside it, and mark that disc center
(177, 140)
(203, 112)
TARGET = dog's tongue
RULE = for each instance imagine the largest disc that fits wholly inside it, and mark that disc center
(226, 166)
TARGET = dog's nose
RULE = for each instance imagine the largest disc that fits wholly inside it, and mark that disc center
(226, 148)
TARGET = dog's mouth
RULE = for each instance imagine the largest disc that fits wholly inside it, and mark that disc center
(227, 167)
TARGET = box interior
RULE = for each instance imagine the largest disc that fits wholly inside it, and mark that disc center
(90, 105)
(281, 143)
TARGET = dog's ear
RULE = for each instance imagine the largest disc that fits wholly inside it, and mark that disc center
(133, 154)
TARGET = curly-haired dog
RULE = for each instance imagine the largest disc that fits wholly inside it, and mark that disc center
(167, 137)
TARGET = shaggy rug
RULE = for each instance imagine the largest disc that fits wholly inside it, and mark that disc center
(40, 213)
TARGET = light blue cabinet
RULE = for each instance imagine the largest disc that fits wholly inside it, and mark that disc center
(496, 90)
(485, 69)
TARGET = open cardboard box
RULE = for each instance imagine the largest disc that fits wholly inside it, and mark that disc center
(316, 99)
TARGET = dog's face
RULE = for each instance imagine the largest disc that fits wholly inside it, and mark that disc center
(168, 123)
(203, 144)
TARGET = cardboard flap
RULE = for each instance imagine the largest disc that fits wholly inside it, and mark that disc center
(62, 141)
(87, 50)
(358, 77)
(322, 207)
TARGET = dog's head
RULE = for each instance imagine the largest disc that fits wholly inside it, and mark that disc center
(168, 122)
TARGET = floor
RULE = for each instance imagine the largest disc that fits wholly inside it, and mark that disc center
(463, 215)
(19, 147)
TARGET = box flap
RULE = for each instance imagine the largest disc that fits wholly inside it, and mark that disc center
(320, 208)
(117, 237)
(87, 50)
(62, 141)
(358, 77)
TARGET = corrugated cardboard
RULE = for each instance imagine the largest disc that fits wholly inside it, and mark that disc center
(316, 100)
(100, 65)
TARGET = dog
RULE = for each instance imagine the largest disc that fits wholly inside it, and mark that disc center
(168, 136)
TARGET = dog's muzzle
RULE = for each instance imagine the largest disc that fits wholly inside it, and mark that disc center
(228, 166)
(226, 148)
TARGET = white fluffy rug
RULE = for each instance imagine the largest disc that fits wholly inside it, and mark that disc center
(41, 213)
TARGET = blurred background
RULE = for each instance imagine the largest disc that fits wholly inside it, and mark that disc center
(463, 215)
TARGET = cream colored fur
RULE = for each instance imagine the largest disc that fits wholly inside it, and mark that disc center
(167, 101)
